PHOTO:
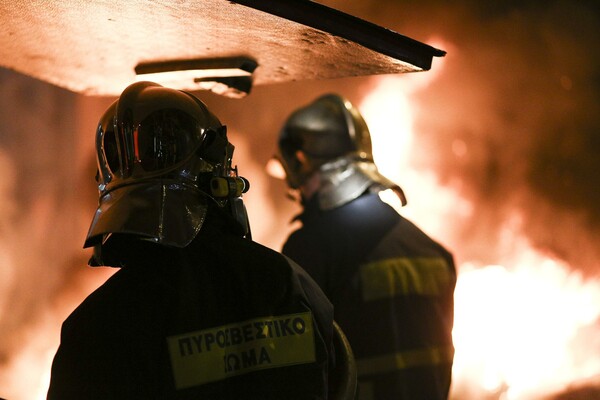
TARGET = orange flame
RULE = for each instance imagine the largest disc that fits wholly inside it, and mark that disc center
(523, 327)
(518, 326)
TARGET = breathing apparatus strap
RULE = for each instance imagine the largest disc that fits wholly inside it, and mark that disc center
(231, 188)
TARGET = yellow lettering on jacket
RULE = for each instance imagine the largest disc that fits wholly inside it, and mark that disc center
(221, 352)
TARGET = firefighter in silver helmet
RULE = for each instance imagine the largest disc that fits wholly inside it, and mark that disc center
(331, 137)
(391, 285)
(197, 309)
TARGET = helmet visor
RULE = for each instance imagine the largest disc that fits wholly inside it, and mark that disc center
(160, 142)
(164, 139)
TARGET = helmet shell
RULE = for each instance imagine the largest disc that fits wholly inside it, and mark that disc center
(156, 150)
(327, 128)
(330, 135)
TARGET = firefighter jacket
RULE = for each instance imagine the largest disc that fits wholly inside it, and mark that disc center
(224, 318)
(392, 289)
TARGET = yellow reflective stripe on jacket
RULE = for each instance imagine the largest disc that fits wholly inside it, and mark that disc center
(221, 352)
(406, 359)
(427, 276)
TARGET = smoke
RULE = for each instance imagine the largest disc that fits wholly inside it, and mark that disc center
(512, 119)
(43, 161)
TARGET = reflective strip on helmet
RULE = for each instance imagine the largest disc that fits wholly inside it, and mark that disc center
(427, 276)
(136, 144)
(406, 359)
(222, 352)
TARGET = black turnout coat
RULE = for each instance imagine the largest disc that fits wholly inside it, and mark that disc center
(392, 289)
(223, 318)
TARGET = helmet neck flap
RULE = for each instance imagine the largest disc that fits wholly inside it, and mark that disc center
(345, 179)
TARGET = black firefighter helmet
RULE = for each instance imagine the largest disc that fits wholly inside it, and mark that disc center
(162, 156)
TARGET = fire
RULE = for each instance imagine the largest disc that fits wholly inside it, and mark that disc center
(516, 328)
(521, 326)
(27, 373)
(526, 325)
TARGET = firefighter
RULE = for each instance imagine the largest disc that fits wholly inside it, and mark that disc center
(391, 285)
(197, 310)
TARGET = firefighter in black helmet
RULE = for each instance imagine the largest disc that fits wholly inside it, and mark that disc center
(197, 310)
(391, 285)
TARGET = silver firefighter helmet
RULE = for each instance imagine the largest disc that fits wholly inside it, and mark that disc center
(330, 136)
(162, 156)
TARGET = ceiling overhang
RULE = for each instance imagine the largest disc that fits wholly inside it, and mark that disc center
(98, 47)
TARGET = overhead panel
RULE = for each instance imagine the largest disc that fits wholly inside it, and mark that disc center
(98, 47)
